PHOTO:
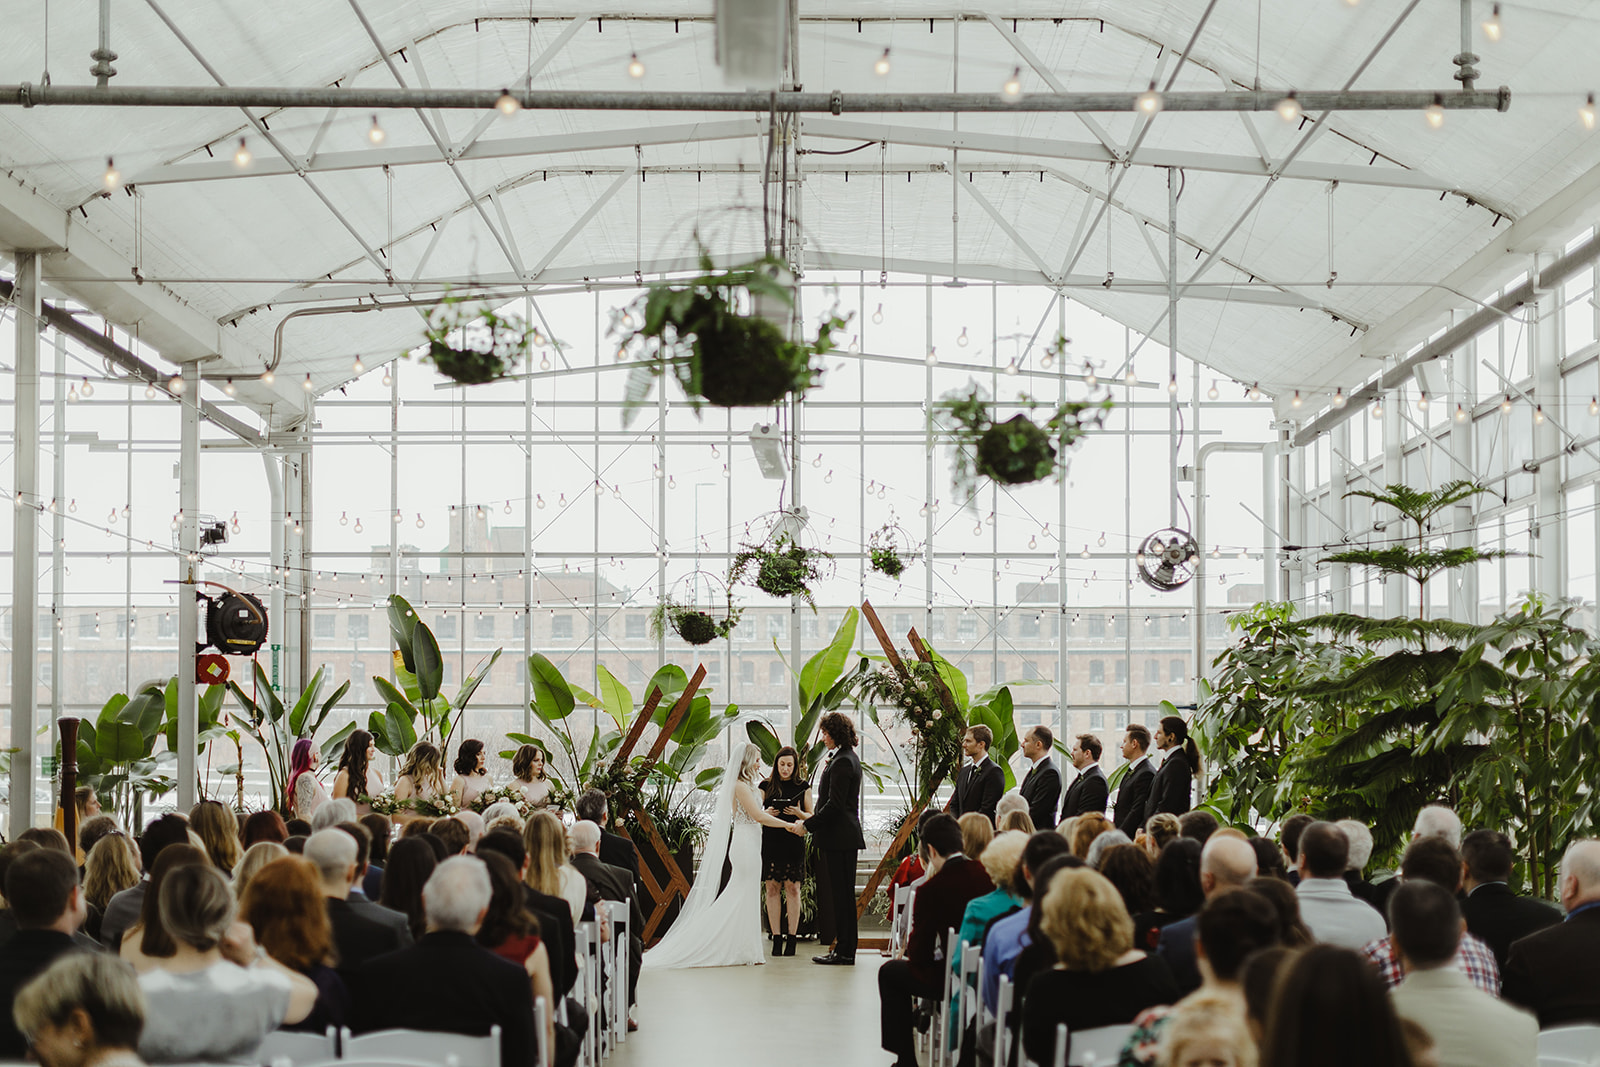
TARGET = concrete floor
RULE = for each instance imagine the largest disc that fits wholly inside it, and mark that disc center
(786, 1011)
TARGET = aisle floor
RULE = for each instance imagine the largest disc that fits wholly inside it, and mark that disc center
(785, 1011)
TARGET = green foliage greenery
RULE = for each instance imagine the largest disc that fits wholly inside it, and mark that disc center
(275, 729)
(471, 343)
(782, 568)
(417, 698)
(1015, 451)
(117, 749)
(694, 626)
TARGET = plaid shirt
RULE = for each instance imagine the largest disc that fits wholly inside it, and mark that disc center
(1473, 959)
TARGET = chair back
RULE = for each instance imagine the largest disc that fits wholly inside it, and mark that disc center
(541, 1027)
(424, 1046)
(1570, 1046)
(287, 1047)
(1002, 1022)
(1099, 1047)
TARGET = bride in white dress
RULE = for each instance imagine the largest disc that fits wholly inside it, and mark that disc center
(724, 929)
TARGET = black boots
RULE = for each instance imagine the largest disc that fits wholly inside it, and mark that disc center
(789, 942)
(777, 945)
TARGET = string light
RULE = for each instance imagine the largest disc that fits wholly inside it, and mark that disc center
(1461, 413)
(1012, 89)
(1150, 102)
(1085, 553)
(357, 526)
(1338, 397)
(507, 104)
(1130, 379)
(1586, 113)
(267, 377)
(932, 358)
(397, 516)
(881, 67)
(635, 67)
(112, 175)
(1538, 413)
(306, 385)
(1102, 541)
(1296, 402)
(375, 132)
(1011, 368)
(420, 522)
(877, 316)
(1422, 401)
(149, 390)
(241, 155)
(1435, 111)
(1377, 408)
(344, 518)
(387, 378)
(358, 367)
(1172, 386)
(962, 340)
(1289, 107)
(1505, 405)
(1594, 405)
(72, 394)
(1254, 392)
(86, 390)
(177, 385)
(1491, 25)
(1212, 394)
(1089, 377)
(72, 505)
(228, 387)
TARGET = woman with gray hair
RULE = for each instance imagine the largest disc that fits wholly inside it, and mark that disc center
(84, 1010)
(219, 993)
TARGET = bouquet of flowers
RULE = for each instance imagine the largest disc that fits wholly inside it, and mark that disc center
(440, 807)
(508, 793)
(383, 804)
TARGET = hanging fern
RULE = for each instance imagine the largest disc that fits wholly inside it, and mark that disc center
(1014, 452)
(471, 343)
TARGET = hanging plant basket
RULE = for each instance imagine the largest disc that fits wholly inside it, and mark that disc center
(1015, 451)
(779, 565)
(888, 548)
(471, 343)
(696, 626)
(725, 335)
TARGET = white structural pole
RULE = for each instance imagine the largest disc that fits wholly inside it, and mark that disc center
(1548, 541)
(188, 566)
(58, 524)
(24, 557)
(1463, 597)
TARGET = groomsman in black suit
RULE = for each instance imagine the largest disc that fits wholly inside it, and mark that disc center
(980, 781)
(1089, 791)
(1494, 914)
(1041, 787)
(836, 826)
(1134, 792)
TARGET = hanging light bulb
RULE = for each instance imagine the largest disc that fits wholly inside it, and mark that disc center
(1212, 394)
(1085, 553)
(1377, 408)
(1288, 108)
(1172, 386)
(111, 517)
(1011, 368)
(1586, 113)
(267, 377)
(1102, 541)
(1594, 405)
(1243, 554)
(1254, 392)
(1435, 111)
(877, 316)
(507, 104)
(420, 522)
(1150, 102)
(149, 390)
(241, 155)
(855, 344)
(344, 518)
(358, 367)
(962, 340)
(387, 378)
(112, 175)
(1538, 413)
(1089, 377)
(1338, 397)
(1296, 401)
(538, 501)
(177, 385)
(881, 67)
(1491, 25)
(298, 529)
(1461, 413)
(72, 505)
(1422, 401)
(1012, 89)
(357, 526)
(827, 479)
(1216, 552)
(306, 385)
(932, 358)
(479, 514)
(1047, 360)
(72, 394)
(375, 132)
(635, 67)
(228, 387)
(397, 516)
(1130, 379)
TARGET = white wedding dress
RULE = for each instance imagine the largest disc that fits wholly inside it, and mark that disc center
(719, 929)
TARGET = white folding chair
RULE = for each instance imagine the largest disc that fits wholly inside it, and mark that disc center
(1570, 1046)
(541, 1024)
(423, 1046)
(941, 1047)
(900, 919)
(1099, 1047)
(620, 975)
(283, 1046)
(1002, 1021)
(585, 935)
(970, 967)
(1059, 1058)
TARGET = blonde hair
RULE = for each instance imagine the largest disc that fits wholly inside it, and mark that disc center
(196, 906)
(749, 761)
(101, 985)
(546, 842)
(1085, 830)
(424, 766)
(1227, 832)
(110, 868)
(256, 857)
(1002, 856)
(976, 833)
(1212, 1020)
(218, 830)
(1086, 921)
(1017, 820)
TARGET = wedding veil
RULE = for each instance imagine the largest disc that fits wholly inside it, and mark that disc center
(708, 882)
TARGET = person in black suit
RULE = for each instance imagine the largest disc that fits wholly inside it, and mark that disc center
(615, 849)
(48, 904)
(1134, 792)
(1495, 915)
(980, 782)
(1089, 791)
(953, 882)
(357, 936)
(468, 988)
(836, 826)
(1170, 789)
(1555, 973)
(609, 883)
(1041, 786)
(359, 902)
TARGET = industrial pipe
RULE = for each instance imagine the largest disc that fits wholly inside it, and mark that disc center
(836, 103)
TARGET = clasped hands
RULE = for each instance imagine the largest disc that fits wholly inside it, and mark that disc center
(796, 828)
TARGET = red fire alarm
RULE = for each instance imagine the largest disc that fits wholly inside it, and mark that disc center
(210, 670)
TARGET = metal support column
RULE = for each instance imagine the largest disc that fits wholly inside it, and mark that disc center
(24, 555)
(1463, 598)
(188, 566)
(303, 562)
(1548, 536)
(1339, 509)
(1394, 473)
(58, 525)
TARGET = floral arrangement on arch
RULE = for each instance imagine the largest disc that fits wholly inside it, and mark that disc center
(915, 701)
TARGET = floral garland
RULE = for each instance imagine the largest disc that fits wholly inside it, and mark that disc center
(914, 699)
(509, 794)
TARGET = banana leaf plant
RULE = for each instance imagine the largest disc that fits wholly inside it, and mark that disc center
(821, 685)
(419, 668)
(117, 751)
(267, 722)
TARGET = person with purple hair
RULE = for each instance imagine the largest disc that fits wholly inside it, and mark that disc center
(305, 793)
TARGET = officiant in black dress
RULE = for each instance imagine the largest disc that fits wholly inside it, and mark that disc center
(787, 795)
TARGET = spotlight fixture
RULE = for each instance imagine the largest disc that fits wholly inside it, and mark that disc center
(507, 104)
(881, 67)
(635, 67)
(1150, 102)
(113, 175)
(1289, 107)
(1435, 112)
(1491, 25)
(1012, 89)
(375, 132)
(241, 155)
(1586, 114)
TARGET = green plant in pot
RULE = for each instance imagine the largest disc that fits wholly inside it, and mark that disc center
(725, 335)
(781, 567)
(1014, 451)
(887, 551)
(695, 626)
(471, 343)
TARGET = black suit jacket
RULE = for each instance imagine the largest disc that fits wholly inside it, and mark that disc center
(1041, 788)
(556, 931)
(395, 920)
(360, 938)
(1497, 916)
(978, 788)
(618, 851)
(26, 954)
(1087, 794)
(610, 883)
(938, 907)
(469, 989)
(836, 822)
(1132, 797)
(1169, 790)
(1555, 973)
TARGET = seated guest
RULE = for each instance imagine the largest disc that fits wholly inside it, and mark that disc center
(48, 837)
(1015, 820)
(454, 833)
(1039, 955)
(1330, 1010)
(9, 854)
(255, 857)
(333, 813)
(511, 932)
(1289, 838)
(1269, 859)
(1197, 825)
(1208, 1030)
(297, 828)
(953, 882)
(411, 864)
(976, 833)
(357, 937)
(614, 848)
(1129, 868)
(1435, 820)
(913, 868)
(1259, 980)
(1085, 828)
(1160, 830)
(555, 919)
(1556, 972)
(380, 835)
(84, 1010)
(1103, 844)
(1099, 978)
(107, 871)
(204, 1005)
(1008, 936)
(360, 903)
(90, 833)
(1009, 804)
(123, 909)
(1226, 863)
(1332, 914)
(1282, 896)
(1431, 859)
(1495, 914)
(1178, 890)
(1471, 1028)
(470, 989)
(148, 942)
(263, 826)
(218, 828)
(284, 908)
(549, 868)
(606, 882)
(1360, 838)
(48, 905)
(1000, 861)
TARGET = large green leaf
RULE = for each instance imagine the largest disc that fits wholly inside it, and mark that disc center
(475, 679)
(402, 621)
(327, 706)
(671, 679)
(396, 728)
(615, 699)
(119, 742)
(335, 744)
(146, 712)
(761, 735)
(429, 663)
(953, 678)
(391, 695)
(308, 697)
(274, 706)
(552, 697)
(824, 668)
(113, 708)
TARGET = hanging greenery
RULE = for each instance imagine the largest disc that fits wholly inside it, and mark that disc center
(782, 568)
(725, 335)
(690, 623)
(471, 343)
(884, 550)
(1015, 451)
(914, 700)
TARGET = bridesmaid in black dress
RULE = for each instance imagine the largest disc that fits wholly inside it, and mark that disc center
(783, 855)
